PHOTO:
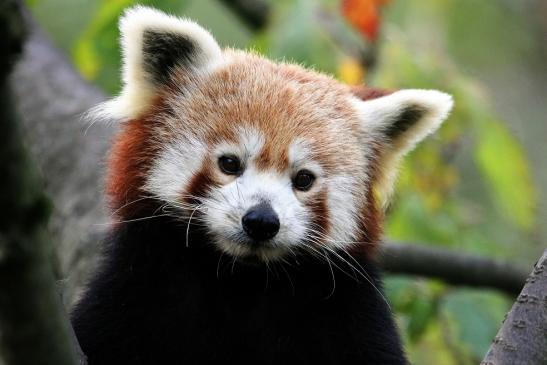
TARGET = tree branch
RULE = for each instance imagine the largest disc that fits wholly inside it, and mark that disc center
(452, 267)
(34, 327)
(522, 339)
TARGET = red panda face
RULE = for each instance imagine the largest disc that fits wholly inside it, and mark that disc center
(270, 159)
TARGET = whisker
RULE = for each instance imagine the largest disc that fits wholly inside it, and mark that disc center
(188, 226)
(333, 278)
(362, 272)
(218, 263)
(133, 220)
(288, 276)
(233, 264)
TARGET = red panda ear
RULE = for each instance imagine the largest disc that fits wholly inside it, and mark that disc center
(153, 44)
(401, 120)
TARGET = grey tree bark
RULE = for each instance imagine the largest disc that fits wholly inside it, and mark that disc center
(34, 327)
(522, 339)
(51, 96)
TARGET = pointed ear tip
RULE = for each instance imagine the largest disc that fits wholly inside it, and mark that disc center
(138, 12)
(136, 18)
(140, 16)
(438, 100)
(445, 103)
(442, 96)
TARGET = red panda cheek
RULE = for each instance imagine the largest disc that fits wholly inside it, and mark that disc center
(370, 228)
(201, 184)
(320, 219)
(371, 217)
(130, 160)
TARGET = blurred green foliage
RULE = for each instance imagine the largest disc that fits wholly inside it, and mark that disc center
(470, 187)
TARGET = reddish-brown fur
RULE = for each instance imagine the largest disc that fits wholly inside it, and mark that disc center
(200, 184)
(320, 211)
(130, 159)
(370, 228)
(367, 93)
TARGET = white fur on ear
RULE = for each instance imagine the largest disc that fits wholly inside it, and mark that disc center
(402, 120)
(148, 38)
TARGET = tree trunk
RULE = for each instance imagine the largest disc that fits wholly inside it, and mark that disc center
(522, 339)
(34, 327)
(51, 97)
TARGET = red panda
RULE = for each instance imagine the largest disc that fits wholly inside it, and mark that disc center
(247, 197)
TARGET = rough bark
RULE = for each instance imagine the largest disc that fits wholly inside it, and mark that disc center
(51, 97)
(522, 339)
(34, 328)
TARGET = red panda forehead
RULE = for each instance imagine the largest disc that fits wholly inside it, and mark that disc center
(283, 103)
(249, 87)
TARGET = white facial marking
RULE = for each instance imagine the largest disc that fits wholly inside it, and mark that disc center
(342, 203)
(341, 196)
(300, 157)
(226, 206)
(249, 145)
(177, 163)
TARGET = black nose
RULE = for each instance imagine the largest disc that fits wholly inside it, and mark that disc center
(261, 222)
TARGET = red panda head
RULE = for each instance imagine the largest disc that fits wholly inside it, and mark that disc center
(270, 158)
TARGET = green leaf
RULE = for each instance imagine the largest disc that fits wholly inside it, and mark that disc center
(97, 53)
(503, 163)
(472, 319)
(422, 312)
(432, 349)
(417, 300)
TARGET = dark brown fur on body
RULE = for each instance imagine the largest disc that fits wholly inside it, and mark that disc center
(156, 302)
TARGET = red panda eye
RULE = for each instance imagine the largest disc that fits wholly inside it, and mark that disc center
(230, 165)
(303, 180)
